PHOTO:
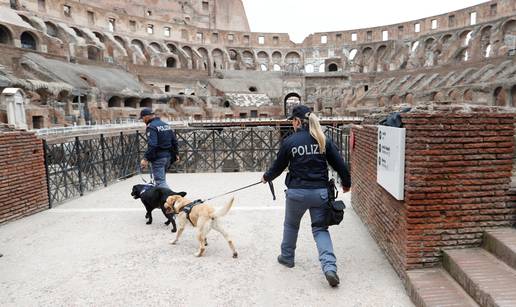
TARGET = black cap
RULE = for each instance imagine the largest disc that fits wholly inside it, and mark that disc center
(299, 111)
(146, 112)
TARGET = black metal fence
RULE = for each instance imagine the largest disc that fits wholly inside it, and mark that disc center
(78, 165)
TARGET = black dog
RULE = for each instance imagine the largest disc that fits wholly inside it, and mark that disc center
(154, 197)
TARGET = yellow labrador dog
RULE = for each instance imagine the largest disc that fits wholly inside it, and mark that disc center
(203, 217)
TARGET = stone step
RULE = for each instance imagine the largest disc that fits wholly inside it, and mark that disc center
(502, 244)
(436, 288)
(486, 279)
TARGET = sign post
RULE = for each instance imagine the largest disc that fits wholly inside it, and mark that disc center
(390, 171)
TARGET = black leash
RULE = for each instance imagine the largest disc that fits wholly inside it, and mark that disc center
(188, 208)
(230, 192)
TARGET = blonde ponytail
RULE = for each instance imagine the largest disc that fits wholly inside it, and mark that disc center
(316, 132)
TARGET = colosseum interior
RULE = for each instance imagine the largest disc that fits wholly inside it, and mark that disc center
(96, 61)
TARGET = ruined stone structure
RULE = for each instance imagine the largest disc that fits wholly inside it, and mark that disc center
(99, 61)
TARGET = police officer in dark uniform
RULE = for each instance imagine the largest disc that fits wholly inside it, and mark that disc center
(162, 147)
(307, 154)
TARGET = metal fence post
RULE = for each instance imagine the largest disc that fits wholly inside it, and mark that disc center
(104, 171)
(79, 166)
(45, 152)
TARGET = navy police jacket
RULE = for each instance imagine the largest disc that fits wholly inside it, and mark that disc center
(308, 168)
(161, 141)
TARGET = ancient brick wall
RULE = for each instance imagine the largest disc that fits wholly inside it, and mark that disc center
(23, 184)
(379, 210)
(457, 176)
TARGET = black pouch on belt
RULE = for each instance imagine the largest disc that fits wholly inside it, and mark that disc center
(336, 212)
(336, 207)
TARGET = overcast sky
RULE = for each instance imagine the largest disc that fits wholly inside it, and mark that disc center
(300, 18)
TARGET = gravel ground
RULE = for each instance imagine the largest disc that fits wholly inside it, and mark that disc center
(98, 251)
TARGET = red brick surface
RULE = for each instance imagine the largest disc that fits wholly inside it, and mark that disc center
(457, 175)
(23, 185)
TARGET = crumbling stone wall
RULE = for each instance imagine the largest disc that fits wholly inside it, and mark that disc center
(23, 184)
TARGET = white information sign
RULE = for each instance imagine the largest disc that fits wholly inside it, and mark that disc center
(390, 171)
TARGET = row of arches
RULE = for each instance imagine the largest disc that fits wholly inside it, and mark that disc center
(481, 41)
(28, 40)
(129, 102)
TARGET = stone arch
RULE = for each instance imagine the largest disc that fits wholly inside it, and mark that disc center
(219, 61)
(249, 60)
(352, 54)
(52, 29)
(381, 54)
(156, 46)
(100, 36)
(6, 36)
(485, 41)
(190, 56)
(509, 34)
(115, 102)
(366, 59)
(499, 97)
(171, 62)
(120, 40)
(293, 60)
(78, 32)
(179, 54)
(263, 60)
(138, 43)
(290, 101)
(333, 67)
(276, 57)
(131, 102)
(445, 39)
(29, 40)
(205, 65)
(468, 95)
(94, 53)
(146, 103)
(466, 37)
(233, 55)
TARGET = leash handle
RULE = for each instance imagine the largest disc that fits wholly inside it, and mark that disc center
(271, 186)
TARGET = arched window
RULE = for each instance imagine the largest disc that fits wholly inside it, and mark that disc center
(322, 68)
(353, 54)
(115, 102)
(171, 62)
(138, 44)
(51, 29)
(333, 67)
(309, 68)
(93, 53)
(5, 35)
(291, 100)
(28, 41)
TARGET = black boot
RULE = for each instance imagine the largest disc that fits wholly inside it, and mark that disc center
(286, 263)
(332, 278)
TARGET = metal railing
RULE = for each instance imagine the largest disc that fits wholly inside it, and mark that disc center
(81, 164)
(178, 122)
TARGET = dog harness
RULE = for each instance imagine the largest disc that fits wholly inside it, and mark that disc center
(147, 187)
(188, 209)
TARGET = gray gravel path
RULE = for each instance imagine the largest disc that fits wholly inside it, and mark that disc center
(97, 251)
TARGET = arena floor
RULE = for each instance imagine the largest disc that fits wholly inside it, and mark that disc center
(97, 250)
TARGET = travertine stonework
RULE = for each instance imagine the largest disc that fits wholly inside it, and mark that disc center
(101, 61)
